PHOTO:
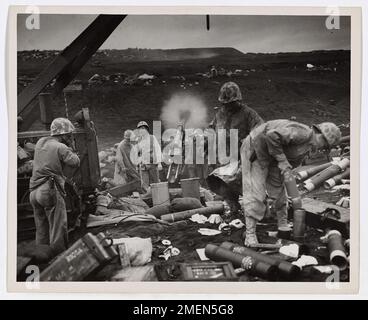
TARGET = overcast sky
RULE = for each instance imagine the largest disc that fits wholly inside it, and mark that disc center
(245, 33)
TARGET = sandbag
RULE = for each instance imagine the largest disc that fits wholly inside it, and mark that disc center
(182, 204)
(135, 205)
(138, 250)
(158, 211)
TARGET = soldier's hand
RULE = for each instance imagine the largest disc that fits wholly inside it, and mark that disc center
(284, 167)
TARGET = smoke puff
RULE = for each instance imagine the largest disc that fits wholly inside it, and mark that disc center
(184, 104)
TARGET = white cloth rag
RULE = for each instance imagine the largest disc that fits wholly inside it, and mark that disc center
(237, 223)
(199, 218)
(138, 250)
(341, 187)
(344, 202)
(214, 218)
(305, 261)
(208, 232)
(291, 250)
(324, 269)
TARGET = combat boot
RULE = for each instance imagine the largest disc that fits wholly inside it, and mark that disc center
(250, 231)
(282, 221)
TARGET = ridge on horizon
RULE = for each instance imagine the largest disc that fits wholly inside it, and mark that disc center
(198, 48)
(181, 54)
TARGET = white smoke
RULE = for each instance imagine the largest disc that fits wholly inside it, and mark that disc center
(184, 105)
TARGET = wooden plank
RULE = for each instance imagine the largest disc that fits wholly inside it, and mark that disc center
(125, 189)
(177, 193)
(33, 134)
(88, 51)
(64, 66)
(74, 264)
(318, 207)
(92, 152)
(85, 256)
(142, 273)
(31, 92)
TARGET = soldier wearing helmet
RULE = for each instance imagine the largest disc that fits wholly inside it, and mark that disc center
(143, 125)
(330, 132)
(125, 170)
(270, 151)
(149, 155)
(51, 155)
(232, 114)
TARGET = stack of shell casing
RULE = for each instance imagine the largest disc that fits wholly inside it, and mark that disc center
(329, 174)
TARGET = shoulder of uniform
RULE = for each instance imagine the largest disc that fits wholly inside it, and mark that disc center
(50, 140)
(153, 137)
(245, 107)
(40, 141)
(248, 110)
(62, 146)
(300, 125)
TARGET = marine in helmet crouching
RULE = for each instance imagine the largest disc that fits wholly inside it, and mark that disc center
(268, 154)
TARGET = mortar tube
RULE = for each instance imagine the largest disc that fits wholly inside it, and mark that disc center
(337, 179)
(326, 174)
(303, 249)
(254, 266)
(299, 225)
(344, 163)
(344, 139)
(182, 215)
(285, 269)
(336, 249)
(302, 175)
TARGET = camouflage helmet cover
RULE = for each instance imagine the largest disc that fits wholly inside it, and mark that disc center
(330, 131)
(229, 92)
(60, 126)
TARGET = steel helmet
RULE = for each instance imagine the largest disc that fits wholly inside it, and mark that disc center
(229, 92)
(142, 124)
(330, 131)
(61, 126)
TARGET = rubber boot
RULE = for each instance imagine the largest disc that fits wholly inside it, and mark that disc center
(250, 231)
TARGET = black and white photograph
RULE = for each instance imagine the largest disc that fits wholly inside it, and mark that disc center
(189, 148)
